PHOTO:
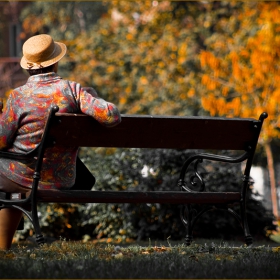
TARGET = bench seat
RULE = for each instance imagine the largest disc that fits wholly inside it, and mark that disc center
(172, 197)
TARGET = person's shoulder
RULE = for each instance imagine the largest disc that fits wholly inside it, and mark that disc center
(75, 86)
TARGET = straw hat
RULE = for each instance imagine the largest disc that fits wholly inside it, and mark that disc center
(41, 51)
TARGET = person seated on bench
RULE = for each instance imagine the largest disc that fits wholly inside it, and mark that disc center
(22, 123)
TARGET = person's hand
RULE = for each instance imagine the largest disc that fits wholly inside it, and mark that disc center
(91, 91)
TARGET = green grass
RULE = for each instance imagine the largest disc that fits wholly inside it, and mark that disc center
(65, 259)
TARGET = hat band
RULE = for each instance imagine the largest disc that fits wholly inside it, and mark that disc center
(30, 65)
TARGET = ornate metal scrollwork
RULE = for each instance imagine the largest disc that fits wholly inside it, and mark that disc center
(188, 214)
(195, 180)
(198, 177)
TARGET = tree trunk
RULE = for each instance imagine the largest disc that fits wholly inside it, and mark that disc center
(271, 173)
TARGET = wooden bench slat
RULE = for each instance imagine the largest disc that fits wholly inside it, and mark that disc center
(143, 131)
(178, 197)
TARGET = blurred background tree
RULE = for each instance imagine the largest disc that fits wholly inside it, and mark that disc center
(240, 72)
(150, 57)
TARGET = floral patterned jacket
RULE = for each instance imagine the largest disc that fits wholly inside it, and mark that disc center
(23, 119)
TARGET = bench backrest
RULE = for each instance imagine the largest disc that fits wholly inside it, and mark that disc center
(144, 131)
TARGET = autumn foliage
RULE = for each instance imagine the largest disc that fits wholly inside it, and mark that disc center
(241, 69)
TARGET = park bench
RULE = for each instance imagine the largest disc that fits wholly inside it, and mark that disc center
(237, 135)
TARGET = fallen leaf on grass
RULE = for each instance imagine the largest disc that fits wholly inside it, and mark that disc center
(33, 256)
(194, 258)
(10, 256)
(156, 249)
(161, 249)
(146, 253)
(118, 256)
(224, 257)
(276, 249)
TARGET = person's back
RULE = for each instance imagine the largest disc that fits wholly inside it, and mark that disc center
(23, 119)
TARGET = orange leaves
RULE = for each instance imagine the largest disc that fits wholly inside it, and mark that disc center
(236, 70)
(234, 106)
(210, 83)
(143, 80)
(219, 106)
(245, 80)
(32, 24)
(155, 249)
(110, 69)
(123, 100)
(129, 37)
(191, 93)
(209, 59)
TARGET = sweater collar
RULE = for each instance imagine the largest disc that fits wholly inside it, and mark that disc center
(47, 77)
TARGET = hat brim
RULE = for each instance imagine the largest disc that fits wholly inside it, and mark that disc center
(59, 52)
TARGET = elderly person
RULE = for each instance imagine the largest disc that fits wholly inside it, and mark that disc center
(22, 123)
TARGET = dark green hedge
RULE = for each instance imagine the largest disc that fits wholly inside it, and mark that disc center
(121, 169)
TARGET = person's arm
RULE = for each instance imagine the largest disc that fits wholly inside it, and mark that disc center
(104, 112)
(91, 91)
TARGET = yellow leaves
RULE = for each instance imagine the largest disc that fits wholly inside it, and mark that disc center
(127, 90)
(122, 231)
(32, 24)
(110, 69)
(155, 249)
(60, 210)
(119, 255)
(49, 210)
(93, 63)
(224, 257)
(143, 80)
(161, 64)
(183, 96)
(173, 56)
(181, 60)
(182, 51)
(129, 37)
(174, 48)
(122, 100)
(104, 32)
(7, 255)
(276, 250)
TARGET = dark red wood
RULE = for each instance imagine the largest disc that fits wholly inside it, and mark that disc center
(172, 197)
(143, 131)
